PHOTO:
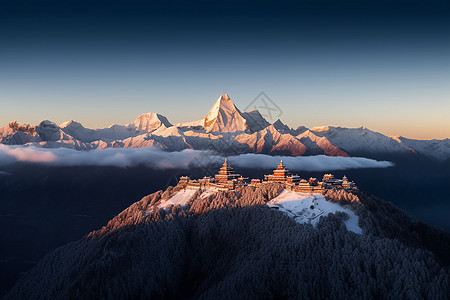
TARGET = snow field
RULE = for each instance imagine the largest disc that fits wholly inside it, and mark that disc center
(307, 208)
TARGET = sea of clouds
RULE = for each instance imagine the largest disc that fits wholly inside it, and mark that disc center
(157, 159)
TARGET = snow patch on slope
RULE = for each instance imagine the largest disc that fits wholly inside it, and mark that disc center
(180, 198)
(307, 208)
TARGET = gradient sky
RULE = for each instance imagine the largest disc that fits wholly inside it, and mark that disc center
(380, 64)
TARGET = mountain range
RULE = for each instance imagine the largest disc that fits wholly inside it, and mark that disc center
(226, 130)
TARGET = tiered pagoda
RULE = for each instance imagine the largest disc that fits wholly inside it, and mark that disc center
(226, 174)
(281, 174)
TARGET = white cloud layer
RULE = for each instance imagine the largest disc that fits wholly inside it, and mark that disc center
(307, 163)
(157, 159)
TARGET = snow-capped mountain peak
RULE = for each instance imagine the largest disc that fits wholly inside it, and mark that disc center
(71, 123)
(224, 116)
(150, 121)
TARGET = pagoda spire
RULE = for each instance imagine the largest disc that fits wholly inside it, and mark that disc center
(281, 166)
(225, 164)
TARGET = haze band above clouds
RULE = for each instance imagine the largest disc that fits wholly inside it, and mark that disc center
(157, 159)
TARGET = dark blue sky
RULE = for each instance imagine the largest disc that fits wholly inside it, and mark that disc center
(382, 64)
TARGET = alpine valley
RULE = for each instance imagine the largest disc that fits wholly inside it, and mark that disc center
(226, 130)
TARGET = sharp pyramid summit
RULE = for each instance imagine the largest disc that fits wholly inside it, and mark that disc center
(224, 116)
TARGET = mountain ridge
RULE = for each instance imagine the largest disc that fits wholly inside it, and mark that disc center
(227, 130)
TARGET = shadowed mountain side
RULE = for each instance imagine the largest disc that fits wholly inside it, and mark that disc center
(230, 245)
(255, 121)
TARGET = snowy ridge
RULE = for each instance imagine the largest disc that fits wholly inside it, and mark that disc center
(360, 140)
(439, 149)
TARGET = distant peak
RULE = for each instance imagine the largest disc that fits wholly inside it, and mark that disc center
(278, 121)
(223, 103)
(279, 125)
(225, 97)
(224, 116)
(151, 121)
(150, 115)
(66, 123)
(71, 123)
(47, 123)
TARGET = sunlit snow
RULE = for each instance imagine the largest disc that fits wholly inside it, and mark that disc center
(182, 198)
(307, 208)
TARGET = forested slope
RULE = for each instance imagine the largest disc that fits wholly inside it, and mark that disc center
(230, 245)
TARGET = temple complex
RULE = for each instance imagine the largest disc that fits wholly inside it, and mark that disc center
(227, 180)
